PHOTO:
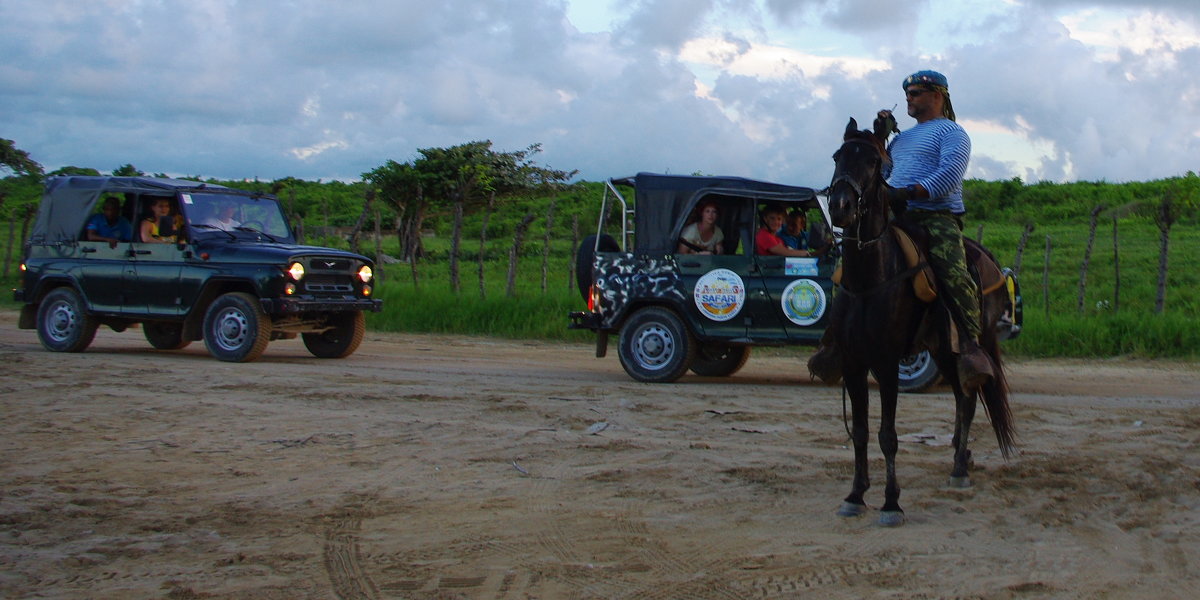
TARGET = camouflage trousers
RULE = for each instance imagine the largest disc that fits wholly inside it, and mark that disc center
(949, 263)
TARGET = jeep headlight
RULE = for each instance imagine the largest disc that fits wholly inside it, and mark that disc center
(296, 271)
(365, 273)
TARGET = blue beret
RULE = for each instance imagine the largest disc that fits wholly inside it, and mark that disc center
(925, 78)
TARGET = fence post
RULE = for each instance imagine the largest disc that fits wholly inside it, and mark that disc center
(1116, 269)
(1087, 257)
(12, 234)
(378, 249)
(546, 243)
(1021, 248)
(1046, 278)
(514, 252)
(574, 251)
(1164, 218)
(487, 215)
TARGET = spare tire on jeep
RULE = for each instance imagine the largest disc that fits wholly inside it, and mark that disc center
(586, 256)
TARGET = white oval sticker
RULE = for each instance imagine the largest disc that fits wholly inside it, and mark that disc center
(720, 294)
(803, 302)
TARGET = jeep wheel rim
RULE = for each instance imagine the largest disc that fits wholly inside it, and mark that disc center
(232, 329)
(61, 322)
(914, 365)
(653, 347)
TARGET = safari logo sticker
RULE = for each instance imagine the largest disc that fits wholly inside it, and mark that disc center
(720, 294)
(803, 302)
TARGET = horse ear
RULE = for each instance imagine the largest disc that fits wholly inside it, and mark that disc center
(851, 128)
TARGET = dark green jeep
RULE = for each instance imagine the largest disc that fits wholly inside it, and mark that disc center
(675, 311)
(185, 261)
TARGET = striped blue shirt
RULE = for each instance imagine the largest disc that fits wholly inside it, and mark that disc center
(933, 154)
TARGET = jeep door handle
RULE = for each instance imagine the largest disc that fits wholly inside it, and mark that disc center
(689, 264)
(137, 252)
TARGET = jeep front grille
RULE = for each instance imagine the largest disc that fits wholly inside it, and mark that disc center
(330, 264)
(329, 284)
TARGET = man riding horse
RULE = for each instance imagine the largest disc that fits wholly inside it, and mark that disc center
(926, 175)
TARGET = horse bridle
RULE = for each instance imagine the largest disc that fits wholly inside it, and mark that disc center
(859, 204)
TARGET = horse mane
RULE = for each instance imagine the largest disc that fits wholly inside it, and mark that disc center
(869, 137)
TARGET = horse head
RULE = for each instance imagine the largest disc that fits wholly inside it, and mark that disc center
(855, 194)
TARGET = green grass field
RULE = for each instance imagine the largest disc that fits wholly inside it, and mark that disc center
(1054, 325)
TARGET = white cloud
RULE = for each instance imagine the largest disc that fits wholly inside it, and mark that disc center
(766, 61)
(314, 150)
(759, 88)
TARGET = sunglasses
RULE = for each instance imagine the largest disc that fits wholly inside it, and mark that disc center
(916, 93)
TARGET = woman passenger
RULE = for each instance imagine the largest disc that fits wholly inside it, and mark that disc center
(703, 236)
(153, 230)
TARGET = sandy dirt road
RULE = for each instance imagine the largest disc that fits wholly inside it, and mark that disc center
(453, 467)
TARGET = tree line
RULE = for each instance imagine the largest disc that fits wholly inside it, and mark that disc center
(474, 190)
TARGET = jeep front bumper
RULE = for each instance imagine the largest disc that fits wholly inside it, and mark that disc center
(300, 305)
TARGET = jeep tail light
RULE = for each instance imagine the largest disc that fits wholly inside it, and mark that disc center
(296, 271)
(593, 298)
(364, 274)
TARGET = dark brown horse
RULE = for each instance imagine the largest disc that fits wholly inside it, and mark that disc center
(877, 320)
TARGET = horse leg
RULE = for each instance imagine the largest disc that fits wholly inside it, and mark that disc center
(891, 514)
(856, 386)
(964, 414)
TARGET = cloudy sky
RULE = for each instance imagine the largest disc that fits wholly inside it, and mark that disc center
(1058, 90)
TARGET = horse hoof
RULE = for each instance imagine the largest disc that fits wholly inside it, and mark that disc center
(849, 509)
(960, 482)
(891, 518)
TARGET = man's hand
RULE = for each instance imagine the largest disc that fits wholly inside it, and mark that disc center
(898, 199)
(885, 124)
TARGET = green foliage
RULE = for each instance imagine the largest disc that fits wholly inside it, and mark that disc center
(17, 161)
(127, 170)
(1054, 324)
(1128, 333)
(1047, 202)
(433, 308)
(85, 171)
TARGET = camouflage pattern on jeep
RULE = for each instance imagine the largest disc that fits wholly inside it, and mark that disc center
(623, 278)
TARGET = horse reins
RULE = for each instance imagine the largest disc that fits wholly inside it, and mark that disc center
(859, 211)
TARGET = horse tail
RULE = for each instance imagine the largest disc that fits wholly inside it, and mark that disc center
(995, 397)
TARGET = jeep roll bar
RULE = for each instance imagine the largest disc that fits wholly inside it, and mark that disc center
(625, 214)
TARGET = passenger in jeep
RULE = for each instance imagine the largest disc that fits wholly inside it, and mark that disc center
(703, 236)
(223, 217)
(161, 227)
(766, 242)
(795, 233)
(108, 225)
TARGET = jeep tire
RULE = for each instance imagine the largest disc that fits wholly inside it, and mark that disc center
(164, 335)
(918, 372)
(720, 360)
(62, 323)
(586, 255)
(655, 346)
(340, 341)
(235, 328)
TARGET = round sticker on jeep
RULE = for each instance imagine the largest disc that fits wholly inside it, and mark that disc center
(720, 294)
(803, 302)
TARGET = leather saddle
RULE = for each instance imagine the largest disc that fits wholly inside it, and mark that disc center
(914, 243)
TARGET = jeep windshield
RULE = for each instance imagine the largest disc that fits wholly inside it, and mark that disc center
(235, 216)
